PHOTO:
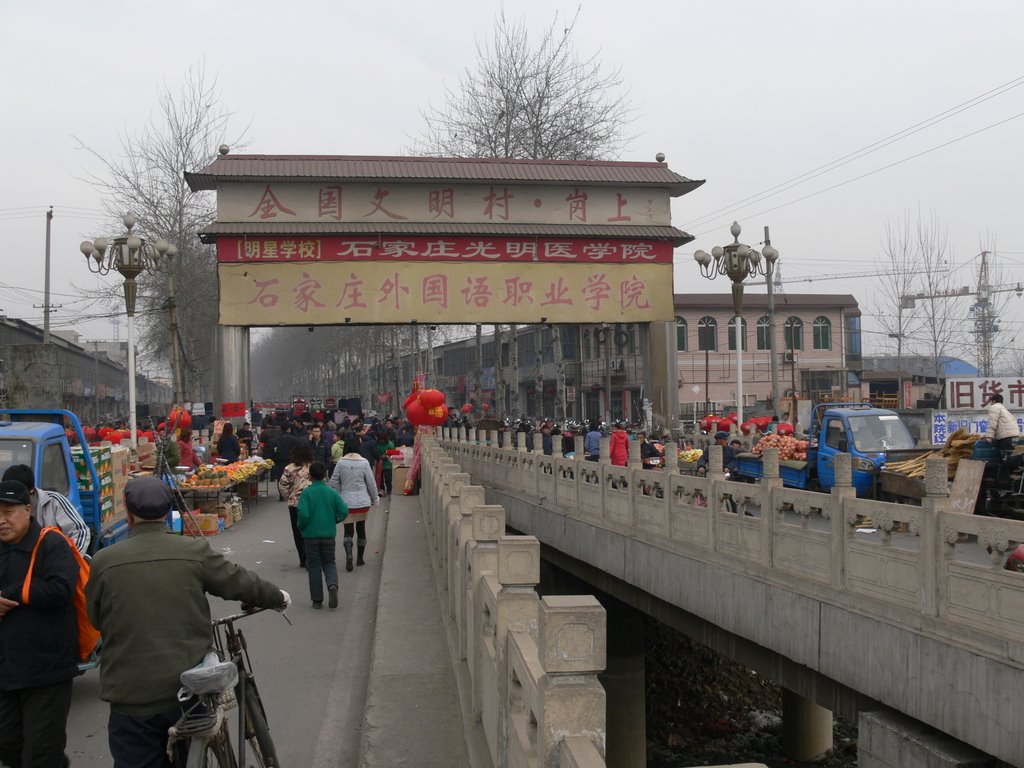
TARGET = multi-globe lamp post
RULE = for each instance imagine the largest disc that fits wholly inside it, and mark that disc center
(738, 261)
(130, 255)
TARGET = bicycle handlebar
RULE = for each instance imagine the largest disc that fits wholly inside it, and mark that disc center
(242, 615)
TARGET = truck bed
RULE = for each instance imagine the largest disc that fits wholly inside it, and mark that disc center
(794, 474)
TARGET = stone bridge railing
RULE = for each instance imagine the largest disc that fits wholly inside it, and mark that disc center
(927, 570)
(532, 663)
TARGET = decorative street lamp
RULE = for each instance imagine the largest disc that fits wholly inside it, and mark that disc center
(130, 255)
(737, 261)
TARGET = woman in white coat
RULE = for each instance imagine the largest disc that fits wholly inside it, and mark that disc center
(353, 479)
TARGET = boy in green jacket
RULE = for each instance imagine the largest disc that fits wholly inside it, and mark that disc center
(321, 508)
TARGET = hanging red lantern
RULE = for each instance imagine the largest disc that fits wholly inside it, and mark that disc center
(784, 428)
(747, 427)
(486, 407)
(437, 415)
(416, 414)
(466, 407)
(179, 418)
(431, 398)
(410, 400)
(90, 433)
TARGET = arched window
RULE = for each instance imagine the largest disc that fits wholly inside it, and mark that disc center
(821, 333)
(732, 334)
(680, 334)
(794, 332)
(764, 329)
(707, 334)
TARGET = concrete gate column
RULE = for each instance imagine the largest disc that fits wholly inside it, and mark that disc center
(624, 684)
(230, 366)
(806, 728)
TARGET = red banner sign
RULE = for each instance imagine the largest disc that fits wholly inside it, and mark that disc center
(459, 249)
(232, 410)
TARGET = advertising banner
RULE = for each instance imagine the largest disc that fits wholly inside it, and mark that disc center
(331, 293)
(945, 423)
(975, 392)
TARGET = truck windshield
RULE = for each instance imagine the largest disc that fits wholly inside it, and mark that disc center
(874, 433)
(15, 451)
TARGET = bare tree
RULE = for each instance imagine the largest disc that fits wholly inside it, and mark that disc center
(146, 177)
(531, 98)
(897, 263)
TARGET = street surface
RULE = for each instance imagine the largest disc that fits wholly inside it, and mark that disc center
(312, 674)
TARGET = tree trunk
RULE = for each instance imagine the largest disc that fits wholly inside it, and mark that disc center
(513, 362)
(538, 372)
(499, 375)
(556, 345)
(478, 371)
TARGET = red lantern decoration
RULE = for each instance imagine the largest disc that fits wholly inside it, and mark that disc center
(466, 407)
(103, 432)
(416, 414)
(705, 424)
(409, 400)
(747, 427)
(431, 398)
(90, 433)
(784, 428)
(179, 418)
(437, 415)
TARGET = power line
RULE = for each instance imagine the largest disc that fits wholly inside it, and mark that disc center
(862, 152)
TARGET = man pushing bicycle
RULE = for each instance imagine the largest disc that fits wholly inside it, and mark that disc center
(147, 597)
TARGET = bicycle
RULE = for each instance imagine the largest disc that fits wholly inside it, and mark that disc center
(224, 680)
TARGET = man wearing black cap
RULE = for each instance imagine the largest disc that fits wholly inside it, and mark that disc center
(147, 597)
(729, 463)
(38, 636)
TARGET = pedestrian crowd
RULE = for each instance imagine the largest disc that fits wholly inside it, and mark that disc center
(147, 596)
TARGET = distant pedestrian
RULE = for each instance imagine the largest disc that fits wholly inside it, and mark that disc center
(592, 442)
(228, 447)
(292, 483)
(353, 479)
(619, 446)
(321, 508)
(1002, 425)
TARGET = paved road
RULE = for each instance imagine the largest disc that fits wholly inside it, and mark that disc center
(312, 674)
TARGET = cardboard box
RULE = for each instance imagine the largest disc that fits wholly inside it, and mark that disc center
(200, 524)
(120, 459)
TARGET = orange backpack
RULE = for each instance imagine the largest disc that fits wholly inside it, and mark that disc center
(88, 635)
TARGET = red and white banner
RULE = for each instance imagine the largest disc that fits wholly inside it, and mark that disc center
(442, 249)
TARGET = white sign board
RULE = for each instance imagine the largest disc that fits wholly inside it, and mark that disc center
(945, 423)
(570, 394)
(975, 392)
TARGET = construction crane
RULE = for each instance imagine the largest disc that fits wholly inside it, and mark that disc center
(982, 312)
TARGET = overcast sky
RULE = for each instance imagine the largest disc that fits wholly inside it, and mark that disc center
(747, 95)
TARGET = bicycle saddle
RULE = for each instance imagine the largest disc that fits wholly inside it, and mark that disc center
(210, 676)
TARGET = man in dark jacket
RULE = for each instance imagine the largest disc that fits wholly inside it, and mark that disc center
(321, 448)
(38, 638)
(147, 596)
(283, 448)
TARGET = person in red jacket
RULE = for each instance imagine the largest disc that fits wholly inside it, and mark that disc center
(619, 446)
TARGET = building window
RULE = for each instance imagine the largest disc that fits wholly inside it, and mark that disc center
(732, 335)
(821, 332)
(680, 334)
(707, 334)
(763, 332)
(793, 332)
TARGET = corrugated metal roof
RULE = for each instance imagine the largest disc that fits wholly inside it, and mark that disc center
(844, 301)
(254, 228)
(353, 168)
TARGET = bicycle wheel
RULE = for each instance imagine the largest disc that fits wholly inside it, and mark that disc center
(211, 753)
(260, 749)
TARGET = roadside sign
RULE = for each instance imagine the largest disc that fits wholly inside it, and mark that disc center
(570, 394)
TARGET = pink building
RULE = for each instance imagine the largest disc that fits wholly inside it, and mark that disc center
(817, 343)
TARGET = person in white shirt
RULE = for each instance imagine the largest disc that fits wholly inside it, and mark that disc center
(1002, 425)
(50, 508)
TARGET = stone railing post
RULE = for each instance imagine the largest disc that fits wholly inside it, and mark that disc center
(517, 610)
(606, 450)
(456, 482)
(572, 646)
(481, 560)
(578, 453)
(556, 446)
(935, 502)
(716, 470)
(843, 489)
(471, 497)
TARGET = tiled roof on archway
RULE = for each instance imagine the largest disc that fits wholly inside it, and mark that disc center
(240, 168)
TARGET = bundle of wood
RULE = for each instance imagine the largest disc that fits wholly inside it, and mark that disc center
(959, 445)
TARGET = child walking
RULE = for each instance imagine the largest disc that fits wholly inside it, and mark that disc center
(321, 508)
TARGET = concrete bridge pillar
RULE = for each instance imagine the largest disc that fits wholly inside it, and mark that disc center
(231, 366)
(624, 684)
(806, 728)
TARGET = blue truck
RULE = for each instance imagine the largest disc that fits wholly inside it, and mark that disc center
(39, 438)
(870, 435)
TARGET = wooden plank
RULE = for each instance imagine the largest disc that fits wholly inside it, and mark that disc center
(966, 484)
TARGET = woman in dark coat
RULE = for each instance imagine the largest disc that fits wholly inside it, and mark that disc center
(228, 447)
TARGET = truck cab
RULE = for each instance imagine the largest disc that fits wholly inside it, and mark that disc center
(864, 432)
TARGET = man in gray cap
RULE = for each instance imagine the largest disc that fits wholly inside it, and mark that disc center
(38, 634)
(729, 463)
(147, 597)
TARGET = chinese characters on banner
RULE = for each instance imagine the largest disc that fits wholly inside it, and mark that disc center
(974, 393)
(945, 423)
(312, 248)
(278, 202)
(329, 293)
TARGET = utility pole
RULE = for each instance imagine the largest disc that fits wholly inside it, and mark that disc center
(46, 281)
(172, 310)
(96, 382)
(769, 279)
